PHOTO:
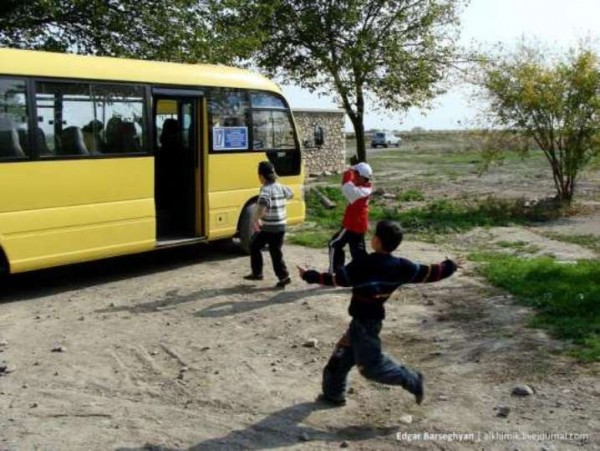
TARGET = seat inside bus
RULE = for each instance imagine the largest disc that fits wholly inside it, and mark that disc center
(10, 145)
(42, 145)
(129, 141)
(72, 142)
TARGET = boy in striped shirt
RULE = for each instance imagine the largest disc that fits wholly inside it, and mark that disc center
(269, 225)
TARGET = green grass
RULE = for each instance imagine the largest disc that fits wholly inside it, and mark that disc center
(520, 246)
(321, 221)
(448, 216)
(437, 217)
(410, 195)
(566, 297)
(310, 238)
(590, 241)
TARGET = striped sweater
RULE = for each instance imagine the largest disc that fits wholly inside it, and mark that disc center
(375, 277)
(273, 197)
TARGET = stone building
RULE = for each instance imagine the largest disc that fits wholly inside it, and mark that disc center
(322, 139)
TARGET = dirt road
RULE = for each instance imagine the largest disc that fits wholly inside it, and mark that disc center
(175, 351)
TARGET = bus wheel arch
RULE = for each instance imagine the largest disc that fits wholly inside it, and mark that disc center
(4, 265)
(244, 230)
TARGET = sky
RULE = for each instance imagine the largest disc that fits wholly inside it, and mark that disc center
(556, 23)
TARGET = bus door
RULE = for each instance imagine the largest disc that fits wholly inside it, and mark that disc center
(178, 187)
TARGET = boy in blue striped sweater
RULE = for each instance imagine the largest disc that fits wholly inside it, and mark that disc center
(269, 225)
(373, 279)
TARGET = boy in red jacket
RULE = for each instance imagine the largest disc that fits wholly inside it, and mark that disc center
(357, 188)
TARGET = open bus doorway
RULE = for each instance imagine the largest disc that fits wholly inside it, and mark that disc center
(176, 163)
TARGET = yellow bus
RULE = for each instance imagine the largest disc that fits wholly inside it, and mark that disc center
(102, 157)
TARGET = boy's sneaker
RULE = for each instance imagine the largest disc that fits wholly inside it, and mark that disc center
(253, 277)
(419, 389)
(283, 282)
(331, 401)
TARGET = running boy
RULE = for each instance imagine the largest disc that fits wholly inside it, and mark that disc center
(269, 225)
(373, 279)
(356, 187)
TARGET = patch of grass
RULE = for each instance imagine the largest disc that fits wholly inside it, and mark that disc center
(311, 238)
(447, 216)
(322, 222)
(440, 216)
(565, 296)
(410, 195)
(520, 246)
(590, 241)
(322, 216)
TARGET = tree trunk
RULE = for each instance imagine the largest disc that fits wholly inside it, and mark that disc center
(359, 130)
(568, 191)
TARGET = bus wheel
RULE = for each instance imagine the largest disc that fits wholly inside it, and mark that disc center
(245, 228)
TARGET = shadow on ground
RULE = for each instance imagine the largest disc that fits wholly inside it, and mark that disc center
(278, 430)
(36, 284)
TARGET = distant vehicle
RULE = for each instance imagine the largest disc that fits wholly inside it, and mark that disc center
(385, 139)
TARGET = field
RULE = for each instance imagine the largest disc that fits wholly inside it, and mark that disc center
(440, 187)
(174, 350)
(451, 164)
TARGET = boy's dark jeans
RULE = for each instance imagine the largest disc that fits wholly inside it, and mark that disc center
(275, 242)
(356, 242)
(361, 346)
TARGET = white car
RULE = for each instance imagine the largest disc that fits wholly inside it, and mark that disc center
(385, 139)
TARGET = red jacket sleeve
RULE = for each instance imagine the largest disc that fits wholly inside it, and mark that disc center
(348, 176)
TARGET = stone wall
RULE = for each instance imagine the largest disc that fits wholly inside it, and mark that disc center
(330, 156)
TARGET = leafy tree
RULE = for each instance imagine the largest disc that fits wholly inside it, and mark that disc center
(393, 52)
(175, 30)
(550, 104)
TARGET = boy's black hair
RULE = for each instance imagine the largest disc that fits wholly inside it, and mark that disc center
(390, 234)
(267, 170)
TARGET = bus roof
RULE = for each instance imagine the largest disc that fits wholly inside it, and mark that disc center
(61, 65)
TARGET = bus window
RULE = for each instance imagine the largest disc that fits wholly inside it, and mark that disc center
(14, 142)
(272, 130)
(266, 100)
(228, 108)
(228, 119)
(91, 119)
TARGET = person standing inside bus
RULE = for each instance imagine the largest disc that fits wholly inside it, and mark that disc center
(269, 224)
(357, 188)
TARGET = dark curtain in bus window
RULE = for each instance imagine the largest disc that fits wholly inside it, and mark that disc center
(272, 130)
(14, 134)
(91, 119)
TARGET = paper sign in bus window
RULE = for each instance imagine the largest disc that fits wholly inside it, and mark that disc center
(230, 138)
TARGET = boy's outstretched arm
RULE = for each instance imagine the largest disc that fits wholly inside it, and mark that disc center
(340, 278)
(434, 272)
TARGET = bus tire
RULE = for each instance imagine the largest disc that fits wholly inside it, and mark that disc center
(245, 231)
